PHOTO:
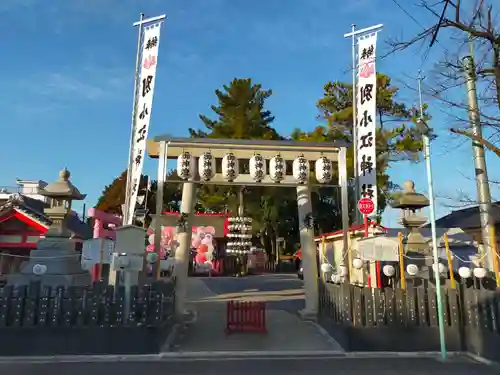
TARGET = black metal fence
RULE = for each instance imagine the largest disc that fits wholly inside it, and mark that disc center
(36, 320)
(366, 319)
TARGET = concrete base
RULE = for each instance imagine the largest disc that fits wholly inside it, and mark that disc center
(62, 261)
(308, 315)
(51, 280)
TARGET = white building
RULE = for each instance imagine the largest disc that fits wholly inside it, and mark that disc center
(29, 188)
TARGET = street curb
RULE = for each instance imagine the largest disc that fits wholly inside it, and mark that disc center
(304, 353)
(326, 335)
(208, 356)
(482, 360)
(169, 342)
(208, 290)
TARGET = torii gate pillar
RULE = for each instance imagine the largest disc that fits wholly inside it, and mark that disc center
(309, 253)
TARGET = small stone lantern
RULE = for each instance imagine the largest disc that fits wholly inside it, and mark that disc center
(416, 246)
(55, 262)
(61, 193)
(411, 204)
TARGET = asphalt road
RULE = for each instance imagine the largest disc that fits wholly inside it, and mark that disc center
(263, 366)
(284, 290)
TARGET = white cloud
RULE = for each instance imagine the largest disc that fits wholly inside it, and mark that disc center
(86, 84)
(7, 5)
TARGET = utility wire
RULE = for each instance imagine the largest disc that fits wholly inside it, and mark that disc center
(434, 35)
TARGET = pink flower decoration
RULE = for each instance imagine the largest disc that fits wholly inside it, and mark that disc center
(199, 234)
(200, 258)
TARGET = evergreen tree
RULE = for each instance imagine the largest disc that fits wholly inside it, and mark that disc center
(113, 195)
(397, 139)
(240, 113)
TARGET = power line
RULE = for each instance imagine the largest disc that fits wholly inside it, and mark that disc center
(408, 14)
(434, 35)
(378, 59)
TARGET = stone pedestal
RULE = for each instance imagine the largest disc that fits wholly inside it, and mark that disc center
(62, 262)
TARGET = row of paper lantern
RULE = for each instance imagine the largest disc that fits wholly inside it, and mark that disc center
(239, 243)
(239, 235)
(237, 251)
(240, 238)
(413, 270)
(238, 247)
(230, 168)
(464, 272)
(240, 227)
(240, 219)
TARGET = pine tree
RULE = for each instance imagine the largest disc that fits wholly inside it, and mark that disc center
(240, 113)
(397, 137)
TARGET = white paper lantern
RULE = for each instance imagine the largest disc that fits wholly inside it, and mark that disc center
(39, 269)
(277, 169)
(185, 166)
(389, 270)
(206, 166)
(465, 272)
(441, 268)
(300, 169)
(257, 168)
(357, 263)
(336, 279)
(480, 272)
(412, 269)
(323, 170)
(344, 271)
(326, 267)
(230, 167)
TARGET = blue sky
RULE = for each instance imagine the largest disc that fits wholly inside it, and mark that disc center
(67, 77)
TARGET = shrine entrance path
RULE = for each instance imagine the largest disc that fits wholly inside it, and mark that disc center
(287, 332)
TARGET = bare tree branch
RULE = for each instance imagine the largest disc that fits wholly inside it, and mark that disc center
(490, 146)
(479, 26)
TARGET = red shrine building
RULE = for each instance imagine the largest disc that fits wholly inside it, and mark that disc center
(22, 222)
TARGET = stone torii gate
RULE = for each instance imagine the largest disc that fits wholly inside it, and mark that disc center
(166, 147)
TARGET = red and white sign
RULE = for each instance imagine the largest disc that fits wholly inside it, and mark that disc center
(366, 206)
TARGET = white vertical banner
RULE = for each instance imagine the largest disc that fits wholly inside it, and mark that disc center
(144, 102)
(367, 118)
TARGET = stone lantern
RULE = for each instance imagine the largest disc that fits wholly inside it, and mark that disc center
(55, 262)
(411, 204)
(61, 193)
(416, 246)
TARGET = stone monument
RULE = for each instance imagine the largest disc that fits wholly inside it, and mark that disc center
(417, 248)
(55, 262)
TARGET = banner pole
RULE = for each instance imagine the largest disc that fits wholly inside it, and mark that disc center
(126, 219)
(353, 35)
(354, 120)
